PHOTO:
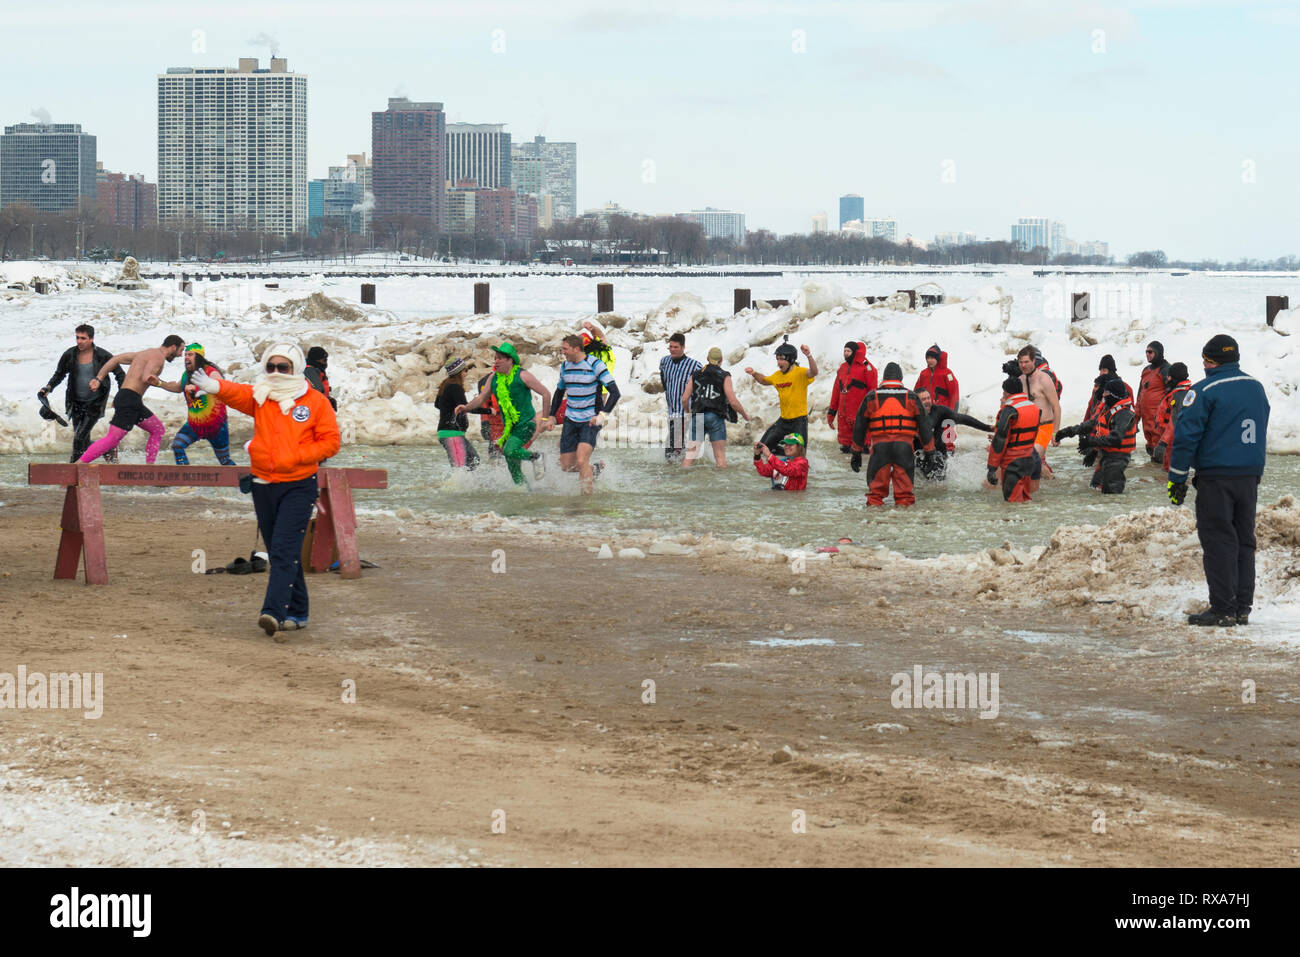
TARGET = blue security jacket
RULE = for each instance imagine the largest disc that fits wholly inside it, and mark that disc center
(1222, 427)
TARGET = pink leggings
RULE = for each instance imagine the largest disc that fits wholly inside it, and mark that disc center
(153, 425)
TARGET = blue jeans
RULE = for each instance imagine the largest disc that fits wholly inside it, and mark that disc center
(713, 425)
(283, 510)
(220, 444)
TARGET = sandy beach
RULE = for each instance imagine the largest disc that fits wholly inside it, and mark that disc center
(519, 697)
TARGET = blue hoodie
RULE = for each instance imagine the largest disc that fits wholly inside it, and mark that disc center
(1223, 426)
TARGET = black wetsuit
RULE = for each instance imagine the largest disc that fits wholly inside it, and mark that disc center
(934, 463)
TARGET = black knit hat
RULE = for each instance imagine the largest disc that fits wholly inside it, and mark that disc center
(1116, 388)
(316, 354)
(893, 372)
(1107, 362)
(935, 351)
(1178, 372)
(1011, 386)
(1221, 349)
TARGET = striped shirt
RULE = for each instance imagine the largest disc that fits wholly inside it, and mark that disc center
(581, 382)
(675, 375)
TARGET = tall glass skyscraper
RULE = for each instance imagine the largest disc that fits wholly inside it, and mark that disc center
(48, 165)
(851, 208)
(553, 169)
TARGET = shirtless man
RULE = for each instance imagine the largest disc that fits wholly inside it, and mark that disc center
(1038, 385)
(128, 408)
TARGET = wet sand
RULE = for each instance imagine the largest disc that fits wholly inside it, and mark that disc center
(521, 691)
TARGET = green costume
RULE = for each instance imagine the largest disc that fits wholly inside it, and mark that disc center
(515, 400)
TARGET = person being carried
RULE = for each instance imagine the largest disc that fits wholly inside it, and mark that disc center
(451, 426)
(712, 401)
(791, 384)
(1040, 384)
(894, 419)
(855, 378)
(512, 388)
(1013, 460)
(1113, 434)
(1179, 383)
(933, 461)
(582, 378)
(789, 471)
(1151, 395)
(129, 408)
(206, 413)
(294, 430)
(85, 406)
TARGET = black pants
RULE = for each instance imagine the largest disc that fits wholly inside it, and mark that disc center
(1109, 475)
(676, 446)
(783, 427)
(283, 510)
(83, 416)
(1225, 523)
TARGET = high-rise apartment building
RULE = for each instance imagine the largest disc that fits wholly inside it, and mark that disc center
(48, 165)
(820, 224)
(408, 147)
(232, 146)
(461, 208)
(955, 239)
(550, 167)
(358, 171)
(851, 208)
(127, 201)
(481, 152)
(718, 223)
(1031, 232)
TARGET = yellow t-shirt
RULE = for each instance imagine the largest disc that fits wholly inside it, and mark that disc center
(792, 391)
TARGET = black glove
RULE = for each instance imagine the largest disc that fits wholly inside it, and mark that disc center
(993, 475)
(1089, 458)
(1159, 454)
(1085, 442)
(855, 461)
(1177, 492)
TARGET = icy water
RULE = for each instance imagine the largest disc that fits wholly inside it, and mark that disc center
(639, 492)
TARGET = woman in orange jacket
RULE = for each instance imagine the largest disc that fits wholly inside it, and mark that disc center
(294, 429)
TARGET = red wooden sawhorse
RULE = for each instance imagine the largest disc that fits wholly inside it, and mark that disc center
(83, 514)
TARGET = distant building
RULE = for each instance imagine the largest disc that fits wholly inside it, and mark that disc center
(358, 171)
(1094, 247)
(1057, 238)
(603, 214)
(315, 206)
(127, 201)
(408, 148)
(501, 213)
(851, 208)
(955, 239)
(461, 208)
(479, 151)
(819, 223)
(48, 165)
(872, 228)
(232, 146)
(554, 173)
(718, 223)
(1031, 232)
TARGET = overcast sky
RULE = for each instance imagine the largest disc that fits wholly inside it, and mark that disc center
(1156, 124)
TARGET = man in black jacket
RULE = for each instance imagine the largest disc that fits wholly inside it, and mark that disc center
(85, 405)
(933, 463)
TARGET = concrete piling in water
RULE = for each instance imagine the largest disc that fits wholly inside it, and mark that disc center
(1079, 306)
(1273, 305)
(367, 293)
(604, 297)
(482, 299)
(911, 297)
(740, 300)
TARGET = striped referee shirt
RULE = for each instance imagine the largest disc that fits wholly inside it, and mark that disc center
(581, 382)
(675, 374)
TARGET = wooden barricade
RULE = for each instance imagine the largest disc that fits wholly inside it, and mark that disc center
(83, 515)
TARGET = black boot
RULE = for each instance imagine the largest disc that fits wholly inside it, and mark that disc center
(1212, 619)
(845, 449)
(1243, 617)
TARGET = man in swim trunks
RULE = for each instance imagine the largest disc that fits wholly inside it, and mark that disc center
(1040, 388)
(129, 408)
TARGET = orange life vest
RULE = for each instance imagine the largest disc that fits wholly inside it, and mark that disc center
(1022, 432)
(892, 415)
(1129, 441)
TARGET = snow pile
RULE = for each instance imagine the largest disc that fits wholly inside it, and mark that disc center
(1146, 564)
(815, 297)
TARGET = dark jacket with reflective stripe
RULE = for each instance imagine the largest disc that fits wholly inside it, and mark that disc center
(1223, 426)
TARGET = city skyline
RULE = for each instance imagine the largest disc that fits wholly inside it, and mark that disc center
(1153, 124)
